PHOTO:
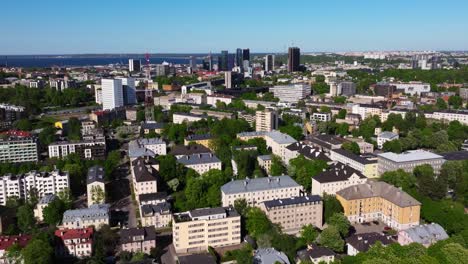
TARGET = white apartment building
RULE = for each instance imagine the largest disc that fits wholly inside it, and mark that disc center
(322, 117)
(201, 162)
(95, 215)
(258, 190)
(112, 94)
(266, 120)
(179, 118)
(146, 147)
(385, 137)
(196, 230)
(75, 242)
(448, 116)
(275, 140)
(408, 160)
(365, 110)
(291, 93)
(413, 88)
(18, 149)
(43, 182)
(336, 178)
(86, 149)
(144, 178)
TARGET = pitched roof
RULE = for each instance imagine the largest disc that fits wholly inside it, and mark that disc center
(7, 241)
(95, 174)
(314, 252)
(337, 172)
(362, 242)
(270, 255)
(144, 173)
(200, 158)
(189, 150)
(426, 234)
(78, 233)
(160, 208)
(197, 259)
(292, 200)
(308, 151)
(127, 235)
(94, 212)
(258, 184)
(158, 196)
(378, 189)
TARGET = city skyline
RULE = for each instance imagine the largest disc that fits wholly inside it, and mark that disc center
(86, 27)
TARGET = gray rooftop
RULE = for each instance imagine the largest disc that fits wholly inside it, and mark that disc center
(426, 234)
(388, 135)
(136, 148)
(378, 189)
(94, 212)
(151, 209)
(270, 256)
(200, 158)
(95, 174)
(281, 138)
(258, 184)
(410, 155)
(292, 200)
(265, 157)
(48, 198)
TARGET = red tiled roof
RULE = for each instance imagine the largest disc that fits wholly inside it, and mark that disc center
(7, 241)
(80, 233)
(17, 133)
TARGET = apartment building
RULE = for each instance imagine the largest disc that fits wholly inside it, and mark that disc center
(138, 239)
(336, 178)
(255, 191)
(42, 182)
(412, 88)
(368, 166)
(295, 212)
(215, 98)
(157, 214)
(266, 120)
(189, 149)
(95, 185)
(215, 114)
(291, 93)
(358, 243)
(264, 161)
(247, 117)
(302, 148)
(379, 201)
(16, 149)
(112, 93)
(179, 118)
(450, 115)
(146, 147)
(326, 142)
(408, 160)
(385, 137)
(144, 177)
(196, 230)
(43, 203)
(366, 110)
(9, 114)
(86, 149)
(74, 242)
(95, 215)
(201, 162)
(321, 116)
(201, 139)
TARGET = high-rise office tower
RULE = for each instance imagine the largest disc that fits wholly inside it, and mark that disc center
(231, 61)
(112, 94)
(134, 65)
(193, 63)
(239, 58)
(228, 79)
(269, 62)
(294, 55)
(208, 63)
(246, 54)
(223, 61)
(128, 91)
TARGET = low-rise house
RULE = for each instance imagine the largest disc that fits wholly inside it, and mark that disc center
(315, 254)
(138, 239)
(294, 213)
(270, 256)
(385, 137)
(43, 203)
(336, 178)
(74, 242)
(158, 215)
(95, 185)
(255, 191)
(196, 230)
(379, 201)
(180, 151)
(425, 235)
(199, 139)
(201, 163)
(362, 242)
(147, 127)
(96, 215)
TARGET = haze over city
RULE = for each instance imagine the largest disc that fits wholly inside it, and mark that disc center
(52, 27)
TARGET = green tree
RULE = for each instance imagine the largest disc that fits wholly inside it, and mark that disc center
(138, 256)
(331, 205)
(257, 222)
(74, 129)
(37, 252)
(342, 129)
(53, 212)
(341, 222)
(23, 124)
(393, 146)
(241, 206)
(399, 178)
(428, 183)
(302, 170)
(330, 238)
(342, 114)
(455, 101)
(455, 253)
(441, 104)
(277, 167)
(26, 220)
(97, 195)
(351, 147)
(13, 253)
(309, 234)
(292, 130)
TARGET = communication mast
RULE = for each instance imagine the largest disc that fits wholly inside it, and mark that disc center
(149, 103)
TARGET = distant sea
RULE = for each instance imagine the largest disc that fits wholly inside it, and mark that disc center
(66, 61)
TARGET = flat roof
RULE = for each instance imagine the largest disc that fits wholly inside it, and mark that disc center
(292, 200)
(259, 184)
(410, 155)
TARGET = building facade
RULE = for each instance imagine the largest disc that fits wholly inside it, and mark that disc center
(74, 242)
(95, 215)
(16, 149)
(336, 178)
(408, 160)
(112, 94)
(291, 93)
(266, 120)
(138, 239)
(86, 149)
(201, 163)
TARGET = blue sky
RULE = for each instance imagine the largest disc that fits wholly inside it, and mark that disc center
(162, 26)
